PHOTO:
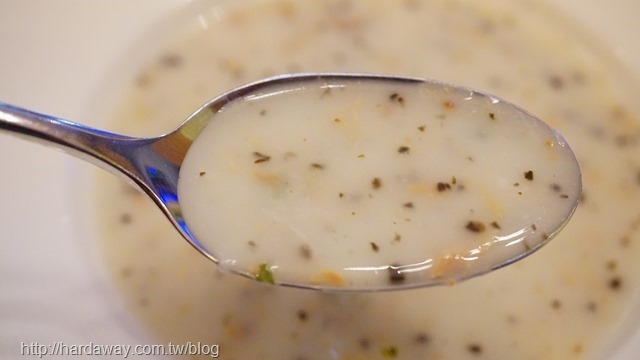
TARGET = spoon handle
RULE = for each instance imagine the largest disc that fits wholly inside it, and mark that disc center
(112, 152)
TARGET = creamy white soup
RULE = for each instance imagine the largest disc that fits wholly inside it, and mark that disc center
(371, 184)
(572, 299)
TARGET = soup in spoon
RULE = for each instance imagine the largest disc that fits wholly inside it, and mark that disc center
(364, 183)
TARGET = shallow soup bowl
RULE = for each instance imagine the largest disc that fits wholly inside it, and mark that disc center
(67, 247)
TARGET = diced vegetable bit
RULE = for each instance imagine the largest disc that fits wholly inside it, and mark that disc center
(330, 278)
(202, 173)
(448, 267)
(422, 128)
(403, 150)
(528, 175)
(448, 105)
(260, 158)
(475, 226)
(389, 352)
(395, 275)
(376, 183)
(265, 274)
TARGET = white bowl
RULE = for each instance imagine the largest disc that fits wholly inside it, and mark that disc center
(54, 55)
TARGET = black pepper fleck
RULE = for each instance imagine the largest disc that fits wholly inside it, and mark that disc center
(202, 173)
(374, 247)
(408, 205)
(302, 315)
(317, 166)
(475, 349)
(305, 252)
(422, 339)
(615, 283)
(364, 343)
(495, 225)
(422, 128)
(260, 158)
(555, 187)
(556, 82)
(376, 183)
(441, 186)
(403, 150)
(126, 272)
(475, 226)
(171, 60)
(395, 275)
(492, 116)
(126, 218)
(528, 175)
(395, 97)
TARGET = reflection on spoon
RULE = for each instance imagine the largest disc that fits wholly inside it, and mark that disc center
(345, 182)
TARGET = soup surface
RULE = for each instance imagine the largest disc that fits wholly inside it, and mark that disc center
(569, 300)
(373, 184)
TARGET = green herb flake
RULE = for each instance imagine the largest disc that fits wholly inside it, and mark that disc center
(265, 274)
(389, 352)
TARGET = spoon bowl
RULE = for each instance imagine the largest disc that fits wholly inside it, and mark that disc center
(154, 165)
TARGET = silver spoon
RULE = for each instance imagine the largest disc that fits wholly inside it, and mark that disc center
(154, 164)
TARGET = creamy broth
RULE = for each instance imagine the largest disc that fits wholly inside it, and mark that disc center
(568, 300)
(373, 184)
